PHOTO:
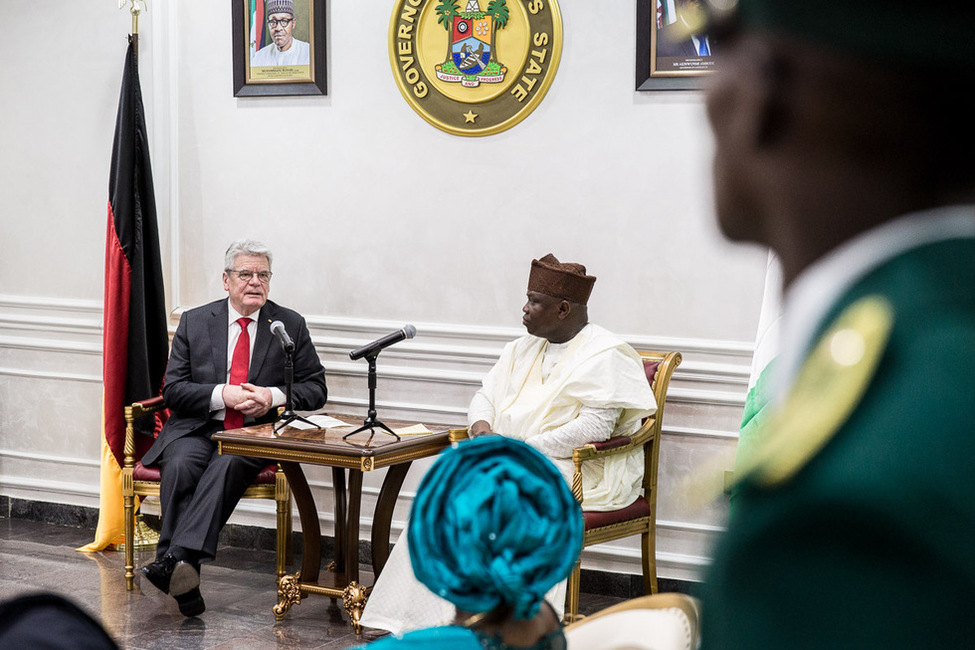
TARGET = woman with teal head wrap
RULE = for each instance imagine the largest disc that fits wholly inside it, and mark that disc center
(493, 527)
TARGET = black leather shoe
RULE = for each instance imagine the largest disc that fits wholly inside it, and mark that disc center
(160, 572)
(185, 588)
(191, 603)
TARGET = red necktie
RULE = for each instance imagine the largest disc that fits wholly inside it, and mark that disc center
(238, 372)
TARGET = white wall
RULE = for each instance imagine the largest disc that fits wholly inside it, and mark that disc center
(374, 223)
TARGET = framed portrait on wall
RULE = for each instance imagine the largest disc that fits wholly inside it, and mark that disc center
(279, 47)
(670, 53)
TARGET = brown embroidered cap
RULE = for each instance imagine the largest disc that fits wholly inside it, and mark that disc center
(565, 280)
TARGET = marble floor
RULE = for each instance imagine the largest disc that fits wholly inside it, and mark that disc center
(238, 589)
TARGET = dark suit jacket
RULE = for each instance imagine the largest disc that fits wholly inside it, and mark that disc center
(198, 362)
(870, 543)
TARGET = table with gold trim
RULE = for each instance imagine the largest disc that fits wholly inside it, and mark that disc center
(363, 452)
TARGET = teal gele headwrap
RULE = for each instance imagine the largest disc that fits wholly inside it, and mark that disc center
(494, 523)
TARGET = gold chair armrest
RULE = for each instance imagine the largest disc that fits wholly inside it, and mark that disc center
(144, 407)
(638, 439)
(590, 452)
(133, 412)
(456, 435)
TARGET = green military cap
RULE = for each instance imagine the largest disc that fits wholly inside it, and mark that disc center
(927, 35)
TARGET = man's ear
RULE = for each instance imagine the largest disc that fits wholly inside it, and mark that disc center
(768, 97)
(565, 308)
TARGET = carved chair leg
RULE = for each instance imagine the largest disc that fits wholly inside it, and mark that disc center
(572, 593)
(649, 561)
(129, 515)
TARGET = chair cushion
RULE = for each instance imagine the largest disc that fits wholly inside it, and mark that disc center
(266, 477)
(142, 473)
(637, 509)
(650, 369)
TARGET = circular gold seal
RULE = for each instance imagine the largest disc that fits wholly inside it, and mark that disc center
(475, 67)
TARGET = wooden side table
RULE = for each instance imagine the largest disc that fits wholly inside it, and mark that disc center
(363, 452)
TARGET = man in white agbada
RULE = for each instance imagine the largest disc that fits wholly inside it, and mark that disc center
(285, 49)
(565, 384)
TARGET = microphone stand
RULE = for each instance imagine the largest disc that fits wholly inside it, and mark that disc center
(371, 422)
(289, 415)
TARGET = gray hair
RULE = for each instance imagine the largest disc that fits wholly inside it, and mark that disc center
(245, 247)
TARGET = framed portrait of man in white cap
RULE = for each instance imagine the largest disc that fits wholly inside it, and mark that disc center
(279, 47)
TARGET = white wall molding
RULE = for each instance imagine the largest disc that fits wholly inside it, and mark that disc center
(49, 345)
(47, 458)
(48, 303)
(17, 486)
(695, 432)
(361, 404)
(41, 374)
(52, 324)
(417, 352)
(328, 337)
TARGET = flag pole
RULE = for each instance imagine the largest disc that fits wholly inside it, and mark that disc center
(144, 536)
(135, 9)
(133, 366)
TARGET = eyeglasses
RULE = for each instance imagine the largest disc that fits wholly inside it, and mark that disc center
(284, 22)
(247, 276)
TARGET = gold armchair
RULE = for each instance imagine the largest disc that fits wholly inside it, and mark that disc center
(141, 481)
(640, 517)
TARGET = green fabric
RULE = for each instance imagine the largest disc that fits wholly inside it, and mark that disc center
(755, 414)
(927, 34)
(871, 545)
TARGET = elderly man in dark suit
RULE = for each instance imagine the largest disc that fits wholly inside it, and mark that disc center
(224, 372)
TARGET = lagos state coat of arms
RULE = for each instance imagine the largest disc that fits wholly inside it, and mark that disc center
(478, 71)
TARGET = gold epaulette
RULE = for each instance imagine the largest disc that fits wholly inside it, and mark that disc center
(826, 391)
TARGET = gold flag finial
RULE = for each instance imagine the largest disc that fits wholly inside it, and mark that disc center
(137, 7)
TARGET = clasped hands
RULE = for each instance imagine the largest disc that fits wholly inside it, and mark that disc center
(253, 401)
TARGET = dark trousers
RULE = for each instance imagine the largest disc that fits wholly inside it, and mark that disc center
(198, 492)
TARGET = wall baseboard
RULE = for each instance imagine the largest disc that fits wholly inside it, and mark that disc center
(602, 583)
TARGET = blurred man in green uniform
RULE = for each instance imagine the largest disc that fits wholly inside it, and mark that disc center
(844, 141)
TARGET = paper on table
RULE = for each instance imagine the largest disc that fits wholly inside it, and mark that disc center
(321, 422)
(415, 430)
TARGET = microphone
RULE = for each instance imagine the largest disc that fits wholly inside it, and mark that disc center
(369, 349)
(277, 328)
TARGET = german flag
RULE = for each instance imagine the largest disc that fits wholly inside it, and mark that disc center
(135, 340)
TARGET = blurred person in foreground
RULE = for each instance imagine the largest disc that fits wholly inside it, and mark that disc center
(843, 142)
(493, 527)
